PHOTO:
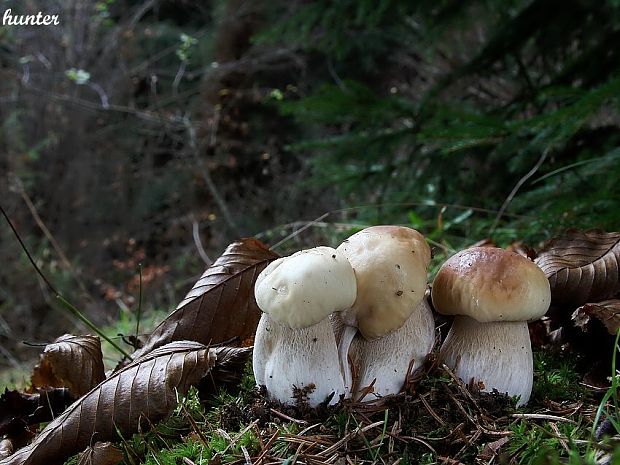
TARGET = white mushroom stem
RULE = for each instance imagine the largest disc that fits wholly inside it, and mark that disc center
(344, 337)
(390, 359)
(498, 354)
(286, 359)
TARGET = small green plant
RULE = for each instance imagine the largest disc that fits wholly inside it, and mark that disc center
(555, 377)
(534, 444)
(184, 49)
(611, 394)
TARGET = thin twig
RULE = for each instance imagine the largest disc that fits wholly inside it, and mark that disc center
(12, 360)
(515, 189)
(355, 432)
(18, 185)
(65, 303)
(542, 416)
(431, 411)
(206, 175)
(300, 230)
(286, 417)
(201, 251)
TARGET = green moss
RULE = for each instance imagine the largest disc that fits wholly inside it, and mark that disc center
(555, 378)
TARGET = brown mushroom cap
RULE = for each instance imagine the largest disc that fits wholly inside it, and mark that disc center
(390, 268)
(491, 284)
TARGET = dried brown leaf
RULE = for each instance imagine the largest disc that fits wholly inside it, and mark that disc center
(221, 305)
(607, 312)
(74, 362)
(101, 453)
(140, 394)
(582, 266)
(486, 242)
(18, 410)
(522, 249)
(491, 449)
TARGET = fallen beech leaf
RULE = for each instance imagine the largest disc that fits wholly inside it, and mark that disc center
(522, 249)
(221, 305)
(607, 312)
(491, 449)
(18, 410)
(74, 362)
(582, 266)
(133, 398)
(486, 242)
(102, 453)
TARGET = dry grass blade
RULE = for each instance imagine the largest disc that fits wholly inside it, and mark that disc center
(582, 266)
(221, 305)
(74, 362)
(140, 394)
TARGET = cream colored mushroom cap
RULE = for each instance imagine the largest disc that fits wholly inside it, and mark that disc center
(390, 265)
(491, 284)
(303, 289)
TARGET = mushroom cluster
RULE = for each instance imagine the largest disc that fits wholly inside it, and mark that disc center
(330, 312)
(353, 322)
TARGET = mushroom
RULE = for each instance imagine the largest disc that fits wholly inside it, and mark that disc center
(395, 323)
(493, 293)
(295, 351)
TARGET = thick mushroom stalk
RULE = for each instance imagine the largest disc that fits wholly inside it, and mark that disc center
(492, 293)
(474, 351)
(385, 363)
(295, 354)
(396, 330)
(298, 363)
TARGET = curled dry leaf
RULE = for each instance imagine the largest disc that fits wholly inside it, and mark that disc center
(492, 450)
(522, 249)
(74, 362)
(221, 305)
(18, 410)
(582, 266)
(140, 394)
(607, 312)
(101, 453)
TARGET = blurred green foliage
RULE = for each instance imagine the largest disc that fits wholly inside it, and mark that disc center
(454, 103)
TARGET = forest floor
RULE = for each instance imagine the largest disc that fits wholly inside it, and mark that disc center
(437, 420)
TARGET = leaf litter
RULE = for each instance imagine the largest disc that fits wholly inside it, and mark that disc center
(142, 393)
(74, 362)
(437, 420)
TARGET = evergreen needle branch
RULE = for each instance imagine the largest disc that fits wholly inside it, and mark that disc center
(64, 302)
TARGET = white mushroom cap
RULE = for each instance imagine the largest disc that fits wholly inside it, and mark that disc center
(303, 289)
(491, 284)
(390, 266)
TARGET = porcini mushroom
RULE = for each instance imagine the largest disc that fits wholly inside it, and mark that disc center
(493, 293)
(295, 347)
(396, 327)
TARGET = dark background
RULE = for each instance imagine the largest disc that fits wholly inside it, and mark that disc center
(157, 132)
